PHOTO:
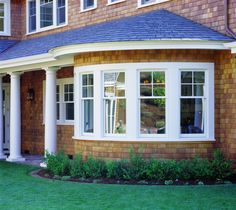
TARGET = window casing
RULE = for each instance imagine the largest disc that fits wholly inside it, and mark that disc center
(5, 18)
(161, 96)
(143, 3)
(111, 2)
(45, 14)
(87, 5)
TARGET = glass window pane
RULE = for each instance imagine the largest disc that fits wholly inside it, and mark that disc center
(158, 90)
(32, 15)
(90, 79)
(146, 90)
(115, 116)
(87, 92)
(186, 77)
(1, 10)
(58, 111)
(198, 90)
(145, 77)
(192, 112)
(158, 77)
(186, 90)
(1, 24)
(152, 116)
(69, 111)
(88, 3)
(84, 80)
(46, 13)
(109, 91)
(88, 116)
(61, 12)
(199, 77)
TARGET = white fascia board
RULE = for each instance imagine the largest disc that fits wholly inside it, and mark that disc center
(232, 46)
(138, 45)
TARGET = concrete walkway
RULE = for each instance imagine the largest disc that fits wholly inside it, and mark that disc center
(34, 160)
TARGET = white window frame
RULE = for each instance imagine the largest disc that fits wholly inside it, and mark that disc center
(110, 2)
(7, 18)
(38, 28)
(82, 105)
(140, 4)
(152, 97)
(104, 98)
(172, 82)
(62, 112)
(82, 9)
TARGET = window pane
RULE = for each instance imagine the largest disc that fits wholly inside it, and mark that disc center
(88, 3)
(198, 90)
(186, 90)
(61, 12)
(115, 116)
(186, 77)
(1, 17)
(1, 24)
(158, 90)
(158, 77)
(109, 91)
(69, 111)
(58, 93)
(192, 112)
(58, 111)
(146, 90)
(147, 1)
(46, 13)
(199, 77)
(146, 77)
(32, 15)
(87, 92)
(1, 10)
(88, 115)
(152, 116)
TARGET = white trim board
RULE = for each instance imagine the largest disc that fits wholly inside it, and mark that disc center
(232, 46)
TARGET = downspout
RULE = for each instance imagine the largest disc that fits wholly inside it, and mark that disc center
(227, 28)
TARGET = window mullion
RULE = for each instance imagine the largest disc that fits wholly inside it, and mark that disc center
(37, 15)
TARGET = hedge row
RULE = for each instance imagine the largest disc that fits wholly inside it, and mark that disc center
(137, 168)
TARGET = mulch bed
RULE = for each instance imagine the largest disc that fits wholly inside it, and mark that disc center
(43, 173)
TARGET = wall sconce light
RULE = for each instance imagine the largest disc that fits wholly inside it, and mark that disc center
(30, 94)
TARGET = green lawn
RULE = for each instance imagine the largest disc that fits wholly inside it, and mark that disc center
(18, 190)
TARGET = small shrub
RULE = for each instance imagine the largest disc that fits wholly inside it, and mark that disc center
(58, 164)
(185, 170)
(201, 168)
(221, 168)
(76, 166)
(94, 168)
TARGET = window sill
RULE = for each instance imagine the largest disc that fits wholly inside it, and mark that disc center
(89, 9)
(152, 3)
(116, 2)
(5, 34)
(119, 139)
(46, 29)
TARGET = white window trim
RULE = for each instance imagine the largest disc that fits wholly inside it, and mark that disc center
(109, 2)
(140, 5)
(132, 110)
(88, 9)
(38, 28)
(62, 115)
(7, 18)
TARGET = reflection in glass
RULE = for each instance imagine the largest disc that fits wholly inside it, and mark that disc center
(88, 115)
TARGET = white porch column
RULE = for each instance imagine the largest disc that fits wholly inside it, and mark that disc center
(50, 111)
(15, 119)
(2, 156)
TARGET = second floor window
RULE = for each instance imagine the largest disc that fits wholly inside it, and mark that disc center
(44, 14)
(4, 17)
(88, 4)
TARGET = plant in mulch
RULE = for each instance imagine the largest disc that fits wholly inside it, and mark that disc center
(138, 170)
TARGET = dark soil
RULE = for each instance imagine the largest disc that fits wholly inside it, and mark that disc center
(43, 173)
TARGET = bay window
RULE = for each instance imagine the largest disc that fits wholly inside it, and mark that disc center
(4, 17)
(114, 103)
(45, 14)
(87, 103)
(169, 101)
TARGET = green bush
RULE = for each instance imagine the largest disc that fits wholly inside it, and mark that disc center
(58, 164)
(221, 168)
(137, 167)
(76, 166)
(94, 168)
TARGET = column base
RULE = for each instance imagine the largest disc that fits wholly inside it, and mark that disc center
(3, 157)
(15, 159)
(43, 165)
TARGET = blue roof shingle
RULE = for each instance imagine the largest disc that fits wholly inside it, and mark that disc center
(155, 25)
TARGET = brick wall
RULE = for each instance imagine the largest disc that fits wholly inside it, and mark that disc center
(225, 114)
(206, 12)
(32, 115)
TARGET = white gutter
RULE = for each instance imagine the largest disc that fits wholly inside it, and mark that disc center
(232, 46)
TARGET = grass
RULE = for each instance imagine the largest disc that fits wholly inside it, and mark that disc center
(19, 191)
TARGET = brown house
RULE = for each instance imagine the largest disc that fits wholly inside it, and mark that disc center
(101, 76)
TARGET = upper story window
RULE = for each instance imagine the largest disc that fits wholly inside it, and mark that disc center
(88, 4)
(142, 3)
(45, 14)
(5, 18)
(109, 2)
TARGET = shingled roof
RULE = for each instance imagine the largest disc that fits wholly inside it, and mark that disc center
(5, 44)
(155, 25)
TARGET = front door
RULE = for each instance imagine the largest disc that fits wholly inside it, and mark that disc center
(6, 118)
